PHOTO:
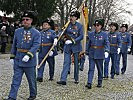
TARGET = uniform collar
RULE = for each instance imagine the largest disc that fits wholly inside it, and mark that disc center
(97, 32)
(27, 28)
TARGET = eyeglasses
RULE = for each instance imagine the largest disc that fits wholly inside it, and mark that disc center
(25, 19)
(97, 25)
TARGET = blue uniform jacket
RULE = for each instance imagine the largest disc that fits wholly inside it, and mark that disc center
(25, 39)
(47, 39)
(126, 41)
(76, 33)
(97, 44)
(115, 41)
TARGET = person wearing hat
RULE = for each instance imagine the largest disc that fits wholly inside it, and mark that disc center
(48, 38)
(3, 35)
(126, 47)
(23, 56)
(115, 45)
(74, 35)
(98, 49)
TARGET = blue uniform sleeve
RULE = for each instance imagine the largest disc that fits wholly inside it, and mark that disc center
(106, 43)
(119, 41)
(129, 40)
(80, 37)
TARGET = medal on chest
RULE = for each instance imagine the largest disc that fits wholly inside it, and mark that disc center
(27, 36)
(48, 34)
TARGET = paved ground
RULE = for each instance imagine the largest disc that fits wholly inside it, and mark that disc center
(120, 88)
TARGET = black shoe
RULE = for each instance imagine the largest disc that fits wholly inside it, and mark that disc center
(88, 86)
(81, 69)
(68, 72)
(112, 77)
(99, 85)
(31, 98)
(105, 77)
(51, 79)
(122, 72)
(117, 73)
(61, 82)
(40, 79)
(10, 99)
(76, 82)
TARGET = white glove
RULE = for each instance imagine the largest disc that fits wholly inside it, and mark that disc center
(51, 53)
(12, 61)
(26, 58)
(106, 54)
(68, 42)
(128, 49)
(118, 50)
(55, 41)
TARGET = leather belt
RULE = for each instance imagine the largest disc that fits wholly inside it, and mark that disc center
(97, 47)
(46, 44)
(113, 44)
(124, 42)
(22, 50)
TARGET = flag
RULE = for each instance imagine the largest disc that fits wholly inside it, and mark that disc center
(84, 21)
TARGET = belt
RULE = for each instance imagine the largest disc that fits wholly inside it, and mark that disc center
(113, 44)
(22, 50)
(124, 42)
(46, 44)
(97, 47)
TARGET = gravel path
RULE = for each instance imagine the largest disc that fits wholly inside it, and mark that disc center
(120, 88)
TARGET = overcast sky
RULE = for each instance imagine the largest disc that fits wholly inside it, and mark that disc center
(131, 9)
(129, 17)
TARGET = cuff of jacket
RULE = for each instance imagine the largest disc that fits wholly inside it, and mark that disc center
(107, 51)
(73, 41)
(30, 54)
(12, 56)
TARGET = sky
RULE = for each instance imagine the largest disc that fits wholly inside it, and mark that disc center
(130, 8)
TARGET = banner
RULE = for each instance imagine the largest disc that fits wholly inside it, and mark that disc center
(84, 21)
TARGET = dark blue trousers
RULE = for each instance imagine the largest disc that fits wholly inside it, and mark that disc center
(67, 64)
(99, 65)
(124, 62)
(30, 73)
(51, 63)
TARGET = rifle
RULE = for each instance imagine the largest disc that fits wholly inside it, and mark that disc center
(63, 30)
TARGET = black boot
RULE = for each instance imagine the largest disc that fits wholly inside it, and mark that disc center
(31, 98)
(61, 82)
(88, 85)
(99, 84)
(39, 79)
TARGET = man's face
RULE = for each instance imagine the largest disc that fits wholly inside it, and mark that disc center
(26, 21)
(98, 27)
(73, 18)
(45, 26)
(112, 28)
(56, 28)
(123, 29)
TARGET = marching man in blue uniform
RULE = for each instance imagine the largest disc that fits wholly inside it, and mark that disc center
(74, 35)
(48, 38)
(23, 55)
(98, 49)
(115, 45)
(126, 47)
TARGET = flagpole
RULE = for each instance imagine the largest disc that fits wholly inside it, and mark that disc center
(63, 30)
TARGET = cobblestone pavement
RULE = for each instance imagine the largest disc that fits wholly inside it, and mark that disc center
(120, 88)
